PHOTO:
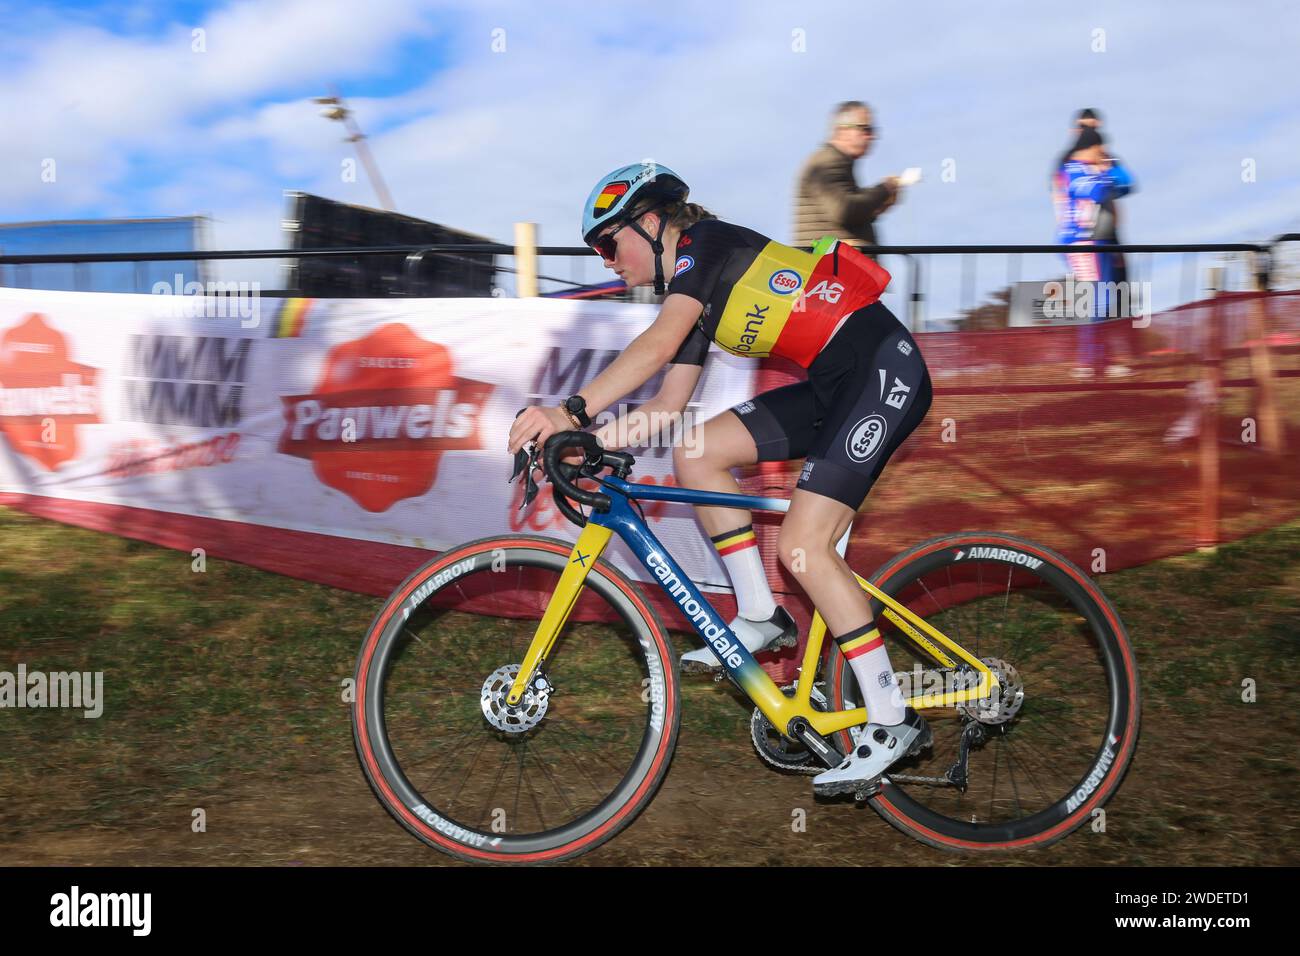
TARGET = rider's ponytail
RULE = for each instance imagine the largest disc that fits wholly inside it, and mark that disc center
(683, 215)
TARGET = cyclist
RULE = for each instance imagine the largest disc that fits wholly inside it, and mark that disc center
(867, 389)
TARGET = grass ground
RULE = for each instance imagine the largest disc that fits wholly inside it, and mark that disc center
(224, 694)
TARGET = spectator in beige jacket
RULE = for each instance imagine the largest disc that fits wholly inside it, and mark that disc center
(828, 200)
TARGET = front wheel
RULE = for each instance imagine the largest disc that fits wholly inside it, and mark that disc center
(544, 780)
(1029, 764)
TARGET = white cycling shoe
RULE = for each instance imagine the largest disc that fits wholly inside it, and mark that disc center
(878, 748)
(779, 630)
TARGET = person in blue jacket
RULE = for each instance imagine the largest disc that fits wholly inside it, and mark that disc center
(1084, 190)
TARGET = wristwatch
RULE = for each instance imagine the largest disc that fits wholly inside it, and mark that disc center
(576, 406)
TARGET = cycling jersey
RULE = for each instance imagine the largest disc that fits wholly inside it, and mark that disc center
(762, 298)
(1079, 190)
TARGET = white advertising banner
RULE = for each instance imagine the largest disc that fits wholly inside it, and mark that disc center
(382, 420)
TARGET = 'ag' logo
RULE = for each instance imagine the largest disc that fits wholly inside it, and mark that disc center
(785, 281)
(866, 438)
(827, 291)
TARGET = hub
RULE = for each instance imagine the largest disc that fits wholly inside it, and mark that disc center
(1005, 701)
(525, 715)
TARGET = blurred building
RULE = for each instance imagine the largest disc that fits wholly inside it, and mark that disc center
(178, 234)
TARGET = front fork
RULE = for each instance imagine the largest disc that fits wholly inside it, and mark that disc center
(586, 551)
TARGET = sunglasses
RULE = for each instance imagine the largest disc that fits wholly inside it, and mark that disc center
(606, 246)
(867, 128)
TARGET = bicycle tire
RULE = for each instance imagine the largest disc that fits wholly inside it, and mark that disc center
(902, 806)
(443, 831)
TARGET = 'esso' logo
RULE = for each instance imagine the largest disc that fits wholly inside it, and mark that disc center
(785, 281)
(684, 263)
(866, 437)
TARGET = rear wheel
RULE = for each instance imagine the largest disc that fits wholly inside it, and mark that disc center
(548, 779)
(1040, 755)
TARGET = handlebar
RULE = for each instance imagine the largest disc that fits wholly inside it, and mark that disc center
(563, 475)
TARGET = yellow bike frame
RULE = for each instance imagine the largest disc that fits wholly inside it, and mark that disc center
(778, 708)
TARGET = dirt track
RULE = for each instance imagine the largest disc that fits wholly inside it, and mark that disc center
(218, 699)
(719, 805)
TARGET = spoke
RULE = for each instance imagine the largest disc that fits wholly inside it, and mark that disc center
(594, 752)
(938, 608)
(1094, 730)
(514, 631)
(408, 765)
(1011, 751)
(1011, 773)
(1048, 763)
(554, 783)
(994, 789)
(505, 762)
(468, 773)
(519, 784)
(595, 788)
(523, 758)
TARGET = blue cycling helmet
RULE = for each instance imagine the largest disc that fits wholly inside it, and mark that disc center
(625, 194)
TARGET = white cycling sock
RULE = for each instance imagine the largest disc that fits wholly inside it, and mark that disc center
(865, 649)
(739, 552)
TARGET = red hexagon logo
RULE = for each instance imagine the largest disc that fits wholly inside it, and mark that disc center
(44, 396)
(386, 408)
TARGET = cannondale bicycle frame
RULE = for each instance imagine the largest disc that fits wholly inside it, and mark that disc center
(795, 716)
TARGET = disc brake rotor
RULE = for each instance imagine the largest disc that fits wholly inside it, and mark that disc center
(525, 715)
(1005, 701)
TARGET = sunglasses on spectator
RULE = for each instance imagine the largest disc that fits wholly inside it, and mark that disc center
(867, 128)
(606, 246)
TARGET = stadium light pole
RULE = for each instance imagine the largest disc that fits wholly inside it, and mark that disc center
(333, 108)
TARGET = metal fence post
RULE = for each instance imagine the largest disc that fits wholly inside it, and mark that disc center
(1207, 534)
(526, 259)
(1272, 438)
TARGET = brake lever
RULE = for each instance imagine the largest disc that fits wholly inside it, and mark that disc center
(525, 464)
(531, 489)
(522, 457)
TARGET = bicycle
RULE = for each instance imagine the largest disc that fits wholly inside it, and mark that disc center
(536, 662)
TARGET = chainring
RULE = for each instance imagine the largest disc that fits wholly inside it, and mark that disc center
(779, 750)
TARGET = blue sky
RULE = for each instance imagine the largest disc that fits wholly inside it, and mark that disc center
(732, 95)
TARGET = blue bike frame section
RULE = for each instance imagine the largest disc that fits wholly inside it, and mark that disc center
(695, 607)
(692, 496)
